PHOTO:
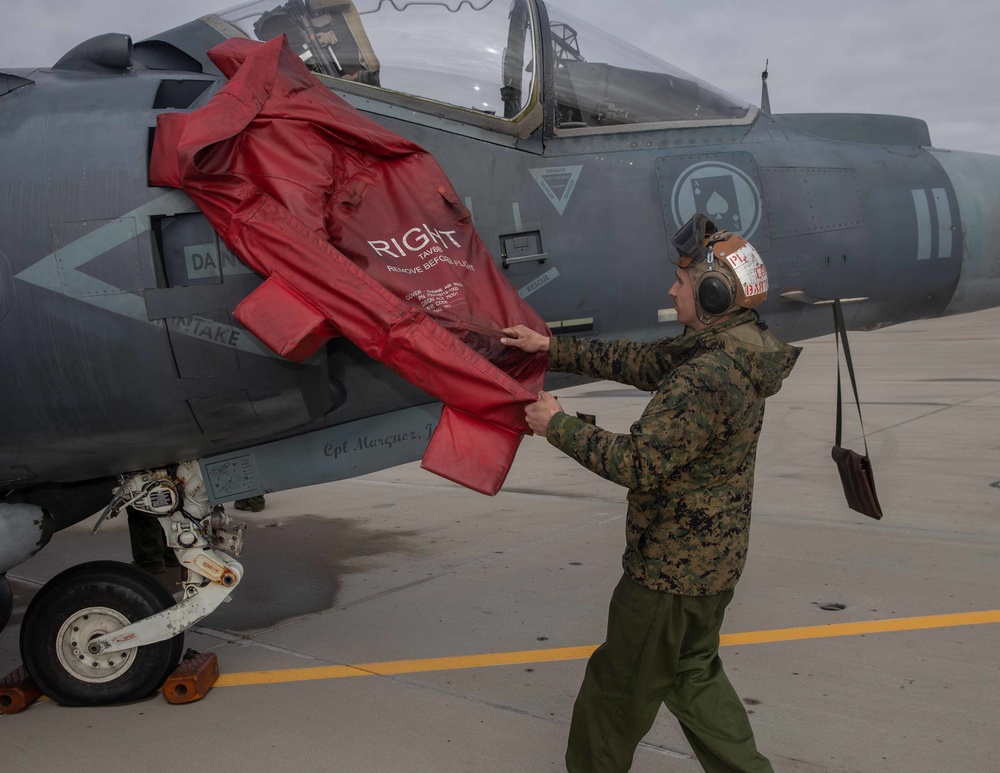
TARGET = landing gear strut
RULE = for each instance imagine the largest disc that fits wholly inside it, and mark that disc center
(107, 632)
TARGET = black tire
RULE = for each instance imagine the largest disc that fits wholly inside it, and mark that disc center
(79, 604)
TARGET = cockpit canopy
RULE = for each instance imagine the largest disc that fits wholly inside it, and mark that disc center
(484, 56)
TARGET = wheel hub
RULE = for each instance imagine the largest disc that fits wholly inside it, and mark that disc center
(78, 631)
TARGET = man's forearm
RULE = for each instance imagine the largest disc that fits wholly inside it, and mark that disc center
(626, 362)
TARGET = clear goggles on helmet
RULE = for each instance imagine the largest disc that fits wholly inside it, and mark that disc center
(691, 240)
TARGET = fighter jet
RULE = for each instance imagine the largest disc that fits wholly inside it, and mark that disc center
(128, 381)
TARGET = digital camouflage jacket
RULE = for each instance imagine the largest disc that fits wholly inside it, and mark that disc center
(688, 462)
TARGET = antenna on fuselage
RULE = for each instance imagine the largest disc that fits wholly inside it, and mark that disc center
(765, 100)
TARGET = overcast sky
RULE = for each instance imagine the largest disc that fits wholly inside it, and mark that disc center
(924, 58)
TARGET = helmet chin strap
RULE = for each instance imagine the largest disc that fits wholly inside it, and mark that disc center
(712, 319)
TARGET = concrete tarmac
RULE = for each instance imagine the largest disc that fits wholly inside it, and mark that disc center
(467, 619)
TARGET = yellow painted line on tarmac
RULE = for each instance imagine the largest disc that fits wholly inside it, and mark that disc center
(859, 629)
(397, 667)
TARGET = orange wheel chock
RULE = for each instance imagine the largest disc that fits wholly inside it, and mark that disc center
(192, 679)
(17, 691)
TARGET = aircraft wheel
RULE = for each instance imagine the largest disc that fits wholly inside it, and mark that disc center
(81, 604)
(6, 601)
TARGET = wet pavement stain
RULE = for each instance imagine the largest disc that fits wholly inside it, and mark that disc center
(293, 567)
(296, 568)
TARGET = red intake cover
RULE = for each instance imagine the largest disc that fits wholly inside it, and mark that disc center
(359, 232)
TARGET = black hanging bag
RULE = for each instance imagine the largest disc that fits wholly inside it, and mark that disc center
(855, 470)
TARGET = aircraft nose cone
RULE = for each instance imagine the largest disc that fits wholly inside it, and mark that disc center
(976, 180)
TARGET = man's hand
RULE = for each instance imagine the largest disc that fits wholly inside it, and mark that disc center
(525, 339)
(538, 413)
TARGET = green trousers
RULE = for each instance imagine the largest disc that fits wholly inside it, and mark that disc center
(660, 648)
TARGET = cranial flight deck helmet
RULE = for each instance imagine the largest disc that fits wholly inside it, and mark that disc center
(726, 271)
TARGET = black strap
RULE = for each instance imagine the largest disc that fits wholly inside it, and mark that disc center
(840, 331)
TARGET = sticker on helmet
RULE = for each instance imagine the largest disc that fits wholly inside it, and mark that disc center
(749, 269)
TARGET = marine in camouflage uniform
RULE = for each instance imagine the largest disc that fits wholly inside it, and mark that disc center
(688, 463)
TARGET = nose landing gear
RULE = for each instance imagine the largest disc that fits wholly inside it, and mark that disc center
(81, 604)
(108, 632)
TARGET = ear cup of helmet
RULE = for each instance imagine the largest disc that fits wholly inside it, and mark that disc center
(715, 294)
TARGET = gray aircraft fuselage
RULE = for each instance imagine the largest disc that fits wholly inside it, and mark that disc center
(116, 298)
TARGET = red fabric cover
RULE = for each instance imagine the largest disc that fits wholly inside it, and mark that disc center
(298, 332)
(359, 232)
(465, 445)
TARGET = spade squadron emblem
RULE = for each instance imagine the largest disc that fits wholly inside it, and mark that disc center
(723, 192)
